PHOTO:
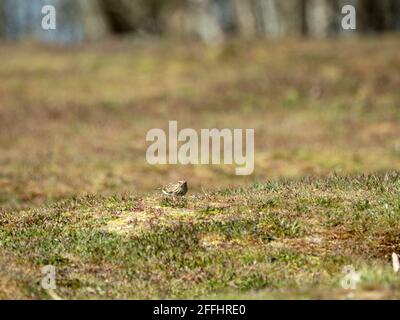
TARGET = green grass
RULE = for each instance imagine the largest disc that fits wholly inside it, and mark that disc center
(131, 247)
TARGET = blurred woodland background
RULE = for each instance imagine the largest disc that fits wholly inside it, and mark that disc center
(210, 20)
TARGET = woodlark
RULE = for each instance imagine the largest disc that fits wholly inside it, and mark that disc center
(176, 189)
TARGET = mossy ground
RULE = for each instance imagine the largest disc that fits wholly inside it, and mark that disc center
(275, 239)
(77, 193)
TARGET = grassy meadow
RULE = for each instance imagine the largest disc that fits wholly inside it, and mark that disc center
(76, 190)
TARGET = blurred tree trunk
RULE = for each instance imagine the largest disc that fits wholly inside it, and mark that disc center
(280, 18)
(2, 19)
(95, 24)
(267, 17)
(395, 9)
(245, 16)
(224, 12)
(320, 18)
(270, 18)
(291, 17)
(139, 15)
(207, 19)
(379, 15)
(174, 19)
(204, 23)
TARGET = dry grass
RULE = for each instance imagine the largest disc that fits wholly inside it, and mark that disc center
(287, 239)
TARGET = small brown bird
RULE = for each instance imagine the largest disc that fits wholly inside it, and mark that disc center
(176, 189)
